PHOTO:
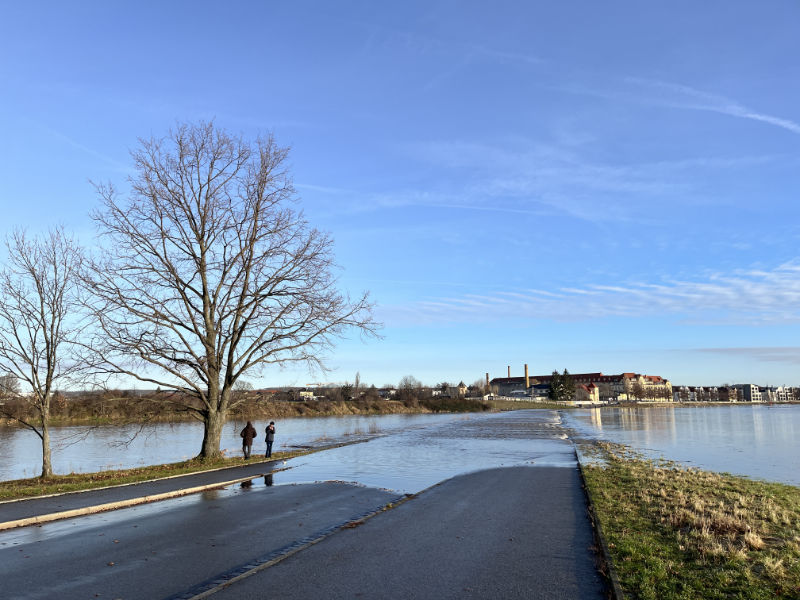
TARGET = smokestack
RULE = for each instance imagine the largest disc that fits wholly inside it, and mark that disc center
(487, 383)
(527, 384)
(509, 371)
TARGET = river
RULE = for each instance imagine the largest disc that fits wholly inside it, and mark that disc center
(756, 440)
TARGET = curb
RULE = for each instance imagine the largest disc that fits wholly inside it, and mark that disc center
(611, 572)
(90, 510)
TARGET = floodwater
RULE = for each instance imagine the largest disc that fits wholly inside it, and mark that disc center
(755, 440)
(412, 460)
(85, 450)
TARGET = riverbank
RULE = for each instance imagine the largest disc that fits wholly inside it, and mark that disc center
(675, 532)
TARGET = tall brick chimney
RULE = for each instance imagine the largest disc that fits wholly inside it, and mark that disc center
(527, 384)
(509, 371)
(487, 383)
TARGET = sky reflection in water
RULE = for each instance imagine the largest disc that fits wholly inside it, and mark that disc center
(758, 441)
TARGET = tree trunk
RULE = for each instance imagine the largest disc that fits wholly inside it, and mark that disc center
(47, 465)
(213, 421)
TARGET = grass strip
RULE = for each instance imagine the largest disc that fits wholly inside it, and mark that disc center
(74, 482)
(679, 533)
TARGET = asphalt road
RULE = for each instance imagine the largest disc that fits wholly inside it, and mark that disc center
(518, 532)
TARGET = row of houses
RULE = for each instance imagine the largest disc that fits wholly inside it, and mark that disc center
(740, 392)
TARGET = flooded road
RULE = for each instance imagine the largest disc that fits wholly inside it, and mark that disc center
(417, 458)
(484, 531)
(401, 462)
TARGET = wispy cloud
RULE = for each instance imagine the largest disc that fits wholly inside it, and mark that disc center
(779, 354)
(526, 175)
(687, 97)
(118, 165)
(754, 297)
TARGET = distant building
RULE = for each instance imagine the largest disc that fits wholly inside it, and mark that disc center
(776, 394)
(748, 392)
(587, 393)
(607, 388)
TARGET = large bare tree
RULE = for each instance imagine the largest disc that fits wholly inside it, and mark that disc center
(39, 324)
(208, 272)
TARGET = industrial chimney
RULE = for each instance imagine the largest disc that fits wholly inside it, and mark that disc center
(527, 383)
(509, 371)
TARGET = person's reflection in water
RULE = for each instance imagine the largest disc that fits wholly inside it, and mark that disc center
(247, 484)
(268, 479)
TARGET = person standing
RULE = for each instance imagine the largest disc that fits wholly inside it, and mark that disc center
(248, 435)
(270, 438)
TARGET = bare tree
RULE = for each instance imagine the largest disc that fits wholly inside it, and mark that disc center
(409, 387)
(209, 274)
(38, 328)
(9, 386)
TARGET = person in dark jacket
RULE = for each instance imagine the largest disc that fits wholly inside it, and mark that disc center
(270, 438)
(248, 434)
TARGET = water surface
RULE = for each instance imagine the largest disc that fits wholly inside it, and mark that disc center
(85, 450)
(756, 440)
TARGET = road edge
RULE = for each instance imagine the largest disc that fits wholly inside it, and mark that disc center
(608, 564)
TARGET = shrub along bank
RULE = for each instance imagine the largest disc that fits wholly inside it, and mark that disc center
(680, 533)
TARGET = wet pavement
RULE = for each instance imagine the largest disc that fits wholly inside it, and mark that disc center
(512, 533)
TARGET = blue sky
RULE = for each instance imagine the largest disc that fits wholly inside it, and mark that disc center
(593, 186)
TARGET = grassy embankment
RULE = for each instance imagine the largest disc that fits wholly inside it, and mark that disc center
(37, 486)
(680, 533)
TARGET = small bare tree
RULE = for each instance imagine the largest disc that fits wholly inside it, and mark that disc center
(38, 329)
(209, 274)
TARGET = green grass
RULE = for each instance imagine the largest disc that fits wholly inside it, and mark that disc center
(678, 533)
(37, 486)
